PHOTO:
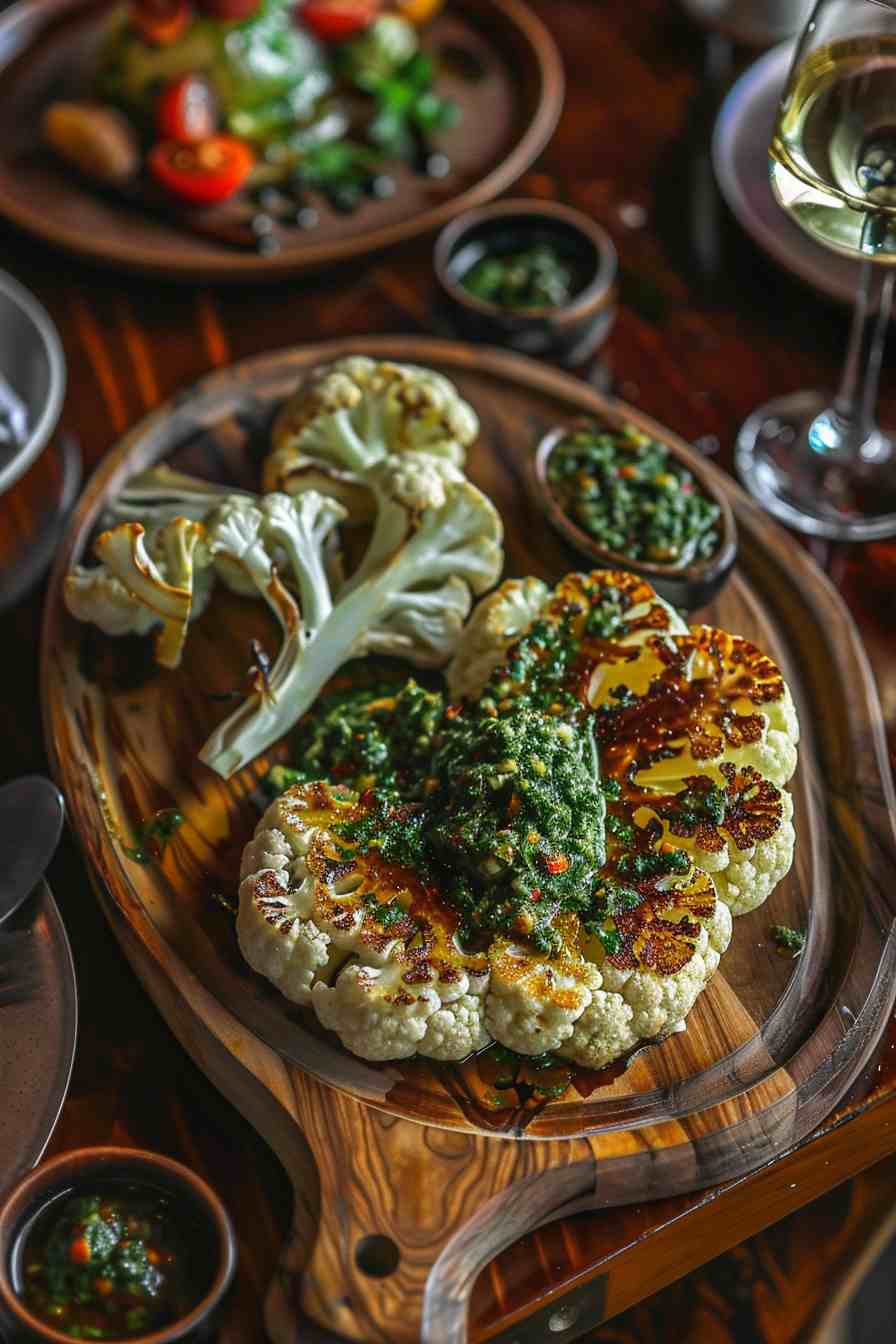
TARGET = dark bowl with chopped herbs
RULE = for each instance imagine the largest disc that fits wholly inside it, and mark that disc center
(535, 276)
(113, 1244)
(629, 495)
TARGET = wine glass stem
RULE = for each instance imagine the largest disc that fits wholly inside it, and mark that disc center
(848, 428)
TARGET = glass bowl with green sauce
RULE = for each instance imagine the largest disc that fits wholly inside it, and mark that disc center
(629, 495)
(113, 1244)
(535, 276)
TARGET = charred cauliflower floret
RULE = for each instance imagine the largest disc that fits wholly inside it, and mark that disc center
(655, 953)
(556, 854)
(397, 434)
(359, 938)
(687, 747)
(535, 1001)
(351, 414)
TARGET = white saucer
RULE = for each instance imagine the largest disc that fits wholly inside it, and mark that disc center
(740, 144)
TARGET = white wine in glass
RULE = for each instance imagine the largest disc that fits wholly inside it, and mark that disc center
(825, 467)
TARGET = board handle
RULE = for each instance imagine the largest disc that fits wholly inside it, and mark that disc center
(407, 1216)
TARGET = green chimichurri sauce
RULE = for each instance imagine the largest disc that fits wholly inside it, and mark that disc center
(501, 812)
(153, 835)
(516, 1080)
(378, 734)
(631, 495)
(108, 1265)
(534, 277)
(789, 942)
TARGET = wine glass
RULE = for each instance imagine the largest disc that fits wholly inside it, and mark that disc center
(822, 466)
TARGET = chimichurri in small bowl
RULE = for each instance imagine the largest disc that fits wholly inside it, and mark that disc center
(110, 1244)
(110, 1264)
(628, 496)
(538, 276)
(532, 275)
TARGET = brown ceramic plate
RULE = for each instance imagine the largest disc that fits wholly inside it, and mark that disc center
(514, 109)
(686, 586)
(37, 1045)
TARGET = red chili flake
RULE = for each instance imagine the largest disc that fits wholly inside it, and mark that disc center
(79, 1251)
(452, 711)
(536, 894)
(557, 864)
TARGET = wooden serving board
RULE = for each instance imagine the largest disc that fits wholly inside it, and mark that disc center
(507, 118)
(406, 1182)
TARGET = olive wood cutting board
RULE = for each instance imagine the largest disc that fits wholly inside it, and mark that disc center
(407, 1182)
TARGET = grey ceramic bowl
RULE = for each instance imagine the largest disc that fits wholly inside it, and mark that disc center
(32, 363)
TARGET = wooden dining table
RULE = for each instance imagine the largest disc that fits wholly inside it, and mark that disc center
(707, 329)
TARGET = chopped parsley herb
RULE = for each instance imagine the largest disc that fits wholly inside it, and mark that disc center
(787, 939)
(376, 735)
(654, 863)
(611, 940)
(107, 1265)
(520, 1080)
(153, 836)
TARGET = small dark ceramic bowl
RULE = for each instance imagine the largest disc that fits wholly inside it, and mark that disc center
(568, 333)
(78, 1172)
(685, 586)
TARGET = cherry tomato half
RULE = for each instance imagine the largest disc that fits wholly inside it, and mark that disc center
(335, 20)
(203, 173)
(160, 21)
(186, 110)
(229, 11)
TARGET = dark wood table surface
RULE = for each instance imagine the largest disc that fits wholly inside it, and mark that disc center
(707, 329)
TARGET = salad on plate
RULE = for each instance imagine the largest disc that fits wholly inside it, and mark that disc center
(277, 106)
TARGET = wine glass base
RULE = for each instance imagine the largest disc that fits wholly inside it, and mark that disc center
(845, 500)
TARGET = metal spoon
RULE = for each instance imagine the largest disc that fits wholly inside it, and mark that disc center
(32, 811)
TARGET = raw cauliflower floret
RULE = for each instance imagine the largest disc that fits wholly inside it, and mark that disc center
(456, 1030)
(534, 1000)
(638, 1005)
(752, 874)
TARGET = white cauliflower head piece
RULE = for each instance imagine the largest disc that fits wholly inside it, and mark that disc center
(701, 736)
(654, 960)
(363, 944)
(351, 414)
(534, 1000)
(497, 622)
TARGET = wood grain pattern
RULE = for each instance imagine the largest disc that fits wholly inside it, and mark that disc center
(767, 1053)
(46, 45)
(781, 1285)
